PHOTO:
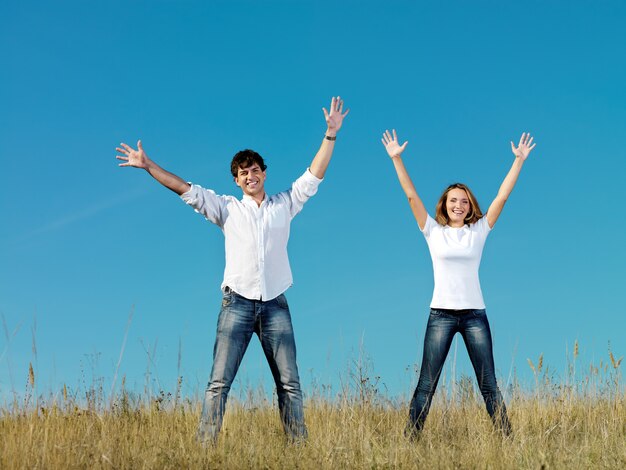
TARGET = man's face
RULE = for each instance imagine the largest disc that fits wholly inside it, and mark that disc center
(251, 180)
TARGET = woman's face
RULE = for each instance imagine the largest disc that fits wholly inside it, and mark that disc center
(457, 207)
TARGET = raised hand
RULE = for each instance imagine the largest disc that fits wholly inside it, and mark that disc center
(391, 144)
(135, 158)
(524, 147)
(334, 119)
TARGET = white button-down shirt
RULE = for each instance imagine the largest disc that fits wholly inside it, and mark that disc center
(257, 265)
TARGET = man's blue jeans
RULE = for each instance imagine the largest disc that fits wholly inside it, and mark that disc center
(239, 318)
(474, 327)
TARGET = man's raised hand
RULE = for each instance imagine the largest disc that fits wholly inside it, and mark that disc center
(131, 157)
(334, 119)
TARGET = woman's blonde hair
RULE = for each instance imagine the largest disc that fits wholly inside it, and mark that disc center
(441, 214)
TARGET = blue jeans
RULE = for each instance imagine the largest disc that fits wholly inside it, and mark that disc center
(474, 327)
(271, 321)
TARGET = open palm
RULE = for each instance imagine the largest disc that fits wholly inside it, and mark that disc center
(524, 147)
(334, 118)
(131, 157)
(390, 141)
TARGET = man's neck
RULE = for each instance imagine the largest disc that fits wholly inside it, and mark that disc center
(259, 198)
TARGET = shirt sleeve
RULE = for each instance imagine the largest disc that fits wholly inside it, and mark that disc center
(428, 226)
(482, 225)
(207, 203)
(301, 190)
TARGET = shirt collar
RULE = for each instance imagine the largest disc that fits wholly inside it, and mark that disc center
(249, 200)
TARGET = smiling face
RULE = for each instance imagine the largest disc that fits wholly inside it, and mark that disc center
(251, 180)
(457, 207)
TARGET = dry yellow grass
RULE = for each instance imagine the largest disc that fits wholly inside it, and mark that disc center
(580, 423)
(560, 431)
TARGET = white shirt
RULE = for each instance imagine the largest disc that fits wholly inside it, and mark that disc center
(257, 265)
(456, 254)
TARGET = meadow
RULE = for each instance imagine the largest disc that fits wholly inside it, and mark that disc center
(578, 421)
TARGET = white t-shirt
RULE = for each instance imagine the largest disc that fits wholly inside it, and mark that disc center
(456, 254)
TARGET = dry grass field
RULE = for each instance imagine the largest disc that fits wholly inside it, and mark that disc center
(578, 424)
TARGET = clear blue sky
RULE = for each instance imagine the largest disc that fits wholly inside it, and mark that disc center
(82, 241)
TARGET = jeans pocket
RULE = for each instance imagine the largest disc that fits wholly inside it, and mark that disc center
(435, 312)
(479, 312)
(227, 299)
(281, 300)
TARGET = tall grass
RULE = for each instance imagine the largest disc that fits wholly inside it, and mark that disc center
(577, 422)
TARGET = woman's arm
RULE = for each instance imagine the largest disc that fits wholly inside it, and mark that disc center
(395, 151)
(521, 153)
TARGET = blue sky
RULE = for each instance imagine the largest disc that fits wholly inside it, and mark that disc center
(82, 242)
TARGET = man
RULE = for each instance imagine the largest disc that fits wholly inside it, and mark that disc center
(257, 273)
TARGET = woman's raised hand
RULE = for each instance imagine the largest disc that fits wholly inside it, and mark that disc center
(390, 141)
(524, 147)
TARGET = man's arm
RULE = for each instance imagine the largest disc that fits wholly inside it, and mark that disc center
(139, 159)
(521, 153)
(334, 119)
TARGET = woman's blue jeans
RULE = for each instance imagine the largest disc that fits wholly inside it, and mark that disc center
(474, 327)
(239, 318)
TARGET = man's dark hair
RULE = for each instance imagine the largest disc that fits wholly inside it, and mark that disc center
(244, 159)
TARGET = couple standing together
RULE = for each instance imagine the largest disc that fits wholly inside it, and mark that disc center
(257, 274)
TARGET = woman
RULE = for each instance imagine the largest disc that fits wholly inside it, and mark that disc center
(455, 239)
